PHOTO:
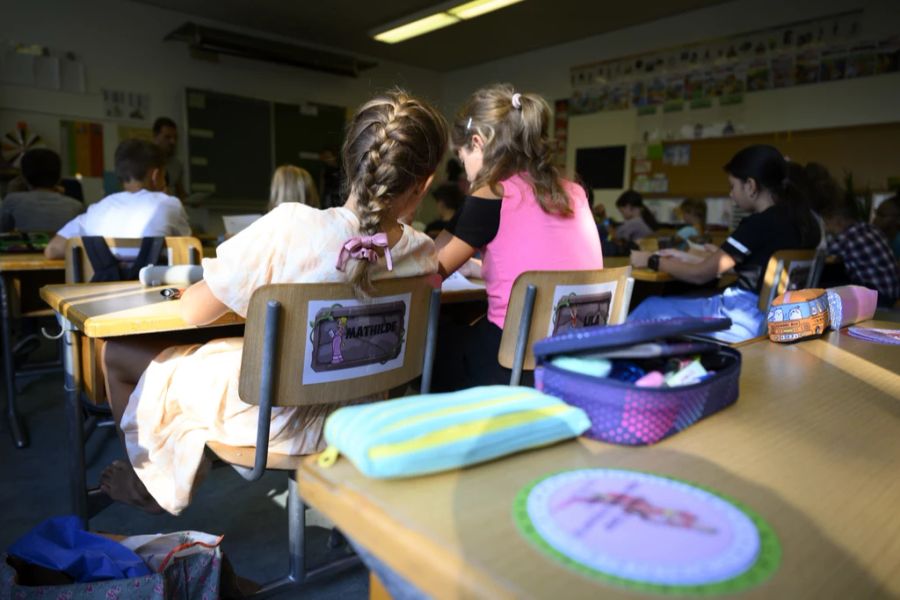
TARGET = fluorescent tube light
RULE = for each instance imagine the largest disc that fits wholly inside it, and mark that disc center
(470, 10)
(416, 28)
(441, 16)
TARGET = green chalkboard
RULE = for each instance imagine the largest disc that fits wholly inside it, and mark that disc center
(235, 143)
(302, 132)
(229, 147)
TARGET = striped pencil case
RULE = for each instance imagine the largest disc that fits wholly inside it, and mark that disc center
(417, 435)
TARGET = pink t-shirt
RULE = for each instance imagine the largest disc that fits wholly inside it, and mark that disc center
(529, 239)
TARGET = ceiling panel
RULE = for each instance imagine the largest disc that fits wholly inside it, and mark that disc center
(345, 25)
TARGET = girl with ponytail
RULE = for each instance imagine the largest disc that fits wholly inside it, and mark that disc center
(170, 400)
(781, 220)
(521, 215)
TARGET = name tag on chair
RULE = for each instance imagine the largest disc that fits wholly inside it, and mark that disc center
(348, 338)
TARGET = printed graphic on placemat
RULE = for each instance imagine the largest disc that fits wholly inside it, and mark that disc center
(348, 338)
(647, 531)
(576, 306)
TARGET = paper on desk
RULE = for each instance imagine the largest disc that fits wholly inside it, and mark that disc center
(236, 223)
(458, 282)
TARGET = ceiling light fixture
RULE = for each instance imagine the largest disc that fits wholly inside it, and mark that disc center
(435, 18)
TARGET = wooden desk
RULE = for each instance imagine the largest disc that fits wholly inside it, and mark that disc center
(813, 449)
(101, 310)
(457, 296)
(20, 273)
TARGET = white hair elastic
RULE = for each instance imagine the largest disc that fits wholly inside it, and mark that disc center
(469, 124)
(517, 101)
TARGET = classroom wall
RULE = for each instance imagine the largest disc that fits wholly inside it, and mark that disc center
(135, 58)
(841, 103)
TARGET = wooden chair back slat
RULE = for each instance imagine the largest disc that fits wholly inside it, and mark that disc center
(294, 340)
(546, 282)
(177, 248)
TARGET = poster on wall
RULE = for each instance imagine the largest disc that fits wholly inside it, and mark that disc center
(820, 50)
(119, 104)
(81, 148)
(347, 338)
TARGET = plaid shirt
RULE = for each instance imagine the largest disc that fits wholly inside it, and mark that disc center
(868, 259)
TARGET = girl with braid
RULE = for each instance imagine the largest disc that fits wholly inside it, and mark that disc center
(170, 400)
(522, 215)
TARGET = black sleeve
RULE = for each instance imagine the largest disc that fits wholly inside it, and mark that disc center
(748, 238)
(477, 222)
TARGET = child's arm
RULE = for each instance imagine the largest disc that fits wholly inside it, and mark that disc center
(56, 248)
(199, 306)
(452, 253)
(698, 273)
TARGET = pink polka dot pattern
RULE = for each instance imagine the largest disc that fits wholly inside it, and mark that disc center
(621, 413)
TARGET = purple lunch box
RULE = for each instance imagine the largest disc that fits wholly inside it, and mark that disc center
(621, 412)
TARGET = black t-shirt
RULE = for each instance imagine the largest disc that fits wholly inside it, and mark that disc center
(758, 237)
(477, 222)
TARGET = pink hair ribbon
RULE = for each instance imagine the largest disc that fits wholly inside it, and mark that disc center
(363, 248)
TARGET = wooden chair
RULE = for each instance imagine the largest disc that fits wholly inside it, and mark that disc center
(790, 270)
(539, 299)
(276, 370)
(180, 250)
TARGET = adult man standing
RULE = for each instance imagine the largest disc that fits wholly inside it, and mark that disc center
(165, 135)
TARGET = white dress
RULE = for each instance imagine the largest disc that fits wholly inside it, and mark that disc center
(189, 394)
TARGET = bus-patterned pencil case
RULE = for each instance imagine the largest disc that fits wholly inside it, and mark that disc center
(643, 381)
(417, 435)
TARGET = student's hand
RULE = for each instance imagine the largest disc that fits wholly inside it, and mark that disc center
(711, 248)
(471, 268)
(639, 258)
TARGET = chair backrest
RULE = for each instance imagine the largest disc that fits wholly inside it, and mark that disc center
(544, 303)
(649, 243)
(180, 250)
(789, 270)
(315, 343)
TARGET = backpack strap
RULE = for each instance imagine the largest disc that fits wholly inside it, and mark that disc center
(104, 263)
(151, 248)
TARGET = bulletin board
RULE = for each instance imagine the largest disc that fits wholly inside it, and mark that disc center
(868, 151)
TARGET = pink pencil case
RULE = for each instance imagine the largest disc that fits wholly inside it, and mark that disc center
(849, 304)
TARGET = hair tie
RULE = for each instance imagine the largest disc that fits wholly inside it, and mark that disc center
(517, 101)
(363, 248)
(469, 124)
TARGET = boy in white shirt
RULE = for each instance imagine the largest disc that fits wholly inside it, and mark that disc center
(142, 210)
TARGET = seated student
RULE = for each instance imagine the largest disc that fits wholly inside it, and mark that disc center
(887, 220)
(867, 257)
(42, 207)
(169, 401)
(522, 215)
(781, 220)
(448, 198)
(142, 210)
(292, 184)
(693, 211)
(639, 221)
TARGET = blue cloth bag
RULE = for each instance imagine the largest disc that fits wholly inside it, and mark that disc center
(61, 544)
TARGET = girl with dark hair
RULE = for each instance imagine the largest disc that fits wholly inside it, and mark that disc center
(639, 221)
(522, 215)
(781, 220)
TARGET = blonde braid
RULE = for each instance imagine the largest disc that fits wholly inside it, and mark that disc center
(394, 142)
